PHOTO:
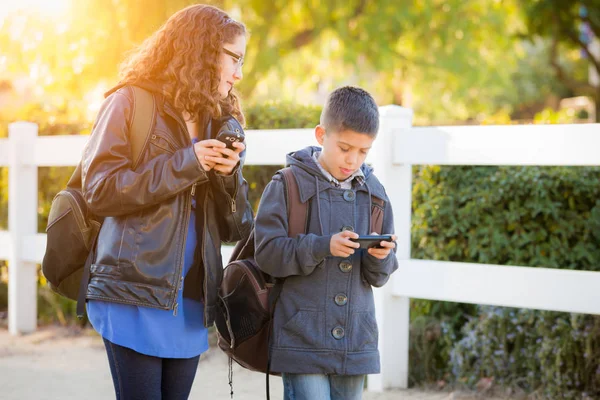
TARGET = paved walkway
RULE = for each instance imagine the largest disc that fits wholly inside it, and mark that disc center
(56, 363)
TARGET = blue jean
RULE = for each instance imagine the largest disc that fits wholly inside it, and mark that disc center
(138, 376)
(322, 387)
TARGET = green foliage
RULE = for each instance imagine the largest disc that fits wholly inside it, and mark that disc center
(434, 328)
(574, 25)
(524, 216)
(414, 53)
(56, 309)
(530, 216)
(281, 115)
(555, 355)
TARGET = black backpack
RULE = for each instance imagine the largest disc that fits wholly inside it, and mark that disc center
(72, 229)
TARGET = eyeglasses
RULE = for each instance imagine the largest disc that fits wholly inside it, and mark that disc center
(238, 59)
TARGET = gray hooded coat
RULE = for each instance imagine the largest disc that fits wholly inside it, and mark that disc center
(324, 320)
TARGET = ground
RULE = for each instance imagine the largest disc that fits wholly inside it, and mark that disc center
(69, 364)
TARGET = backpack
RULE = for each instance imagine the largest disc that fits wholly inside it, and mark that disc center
(72, 229)
(248, 295)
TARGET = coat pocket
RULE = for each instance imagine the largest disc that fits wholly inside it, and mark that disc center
(163, 143)
(303, 330)
(364, 332)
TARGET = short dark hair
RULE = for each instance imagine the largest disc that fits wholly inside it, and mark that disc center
(350, 108)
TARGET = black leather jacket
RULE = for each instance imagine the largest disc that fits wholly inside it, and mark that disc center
(142, 241)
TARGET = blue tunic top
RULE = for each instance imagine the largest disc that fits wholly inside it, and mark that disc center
(151, 331)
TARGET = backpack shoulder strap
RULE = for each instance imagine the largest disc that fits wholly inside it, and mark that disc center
(297, 216)
(297, 210)
(377, 208)
(142, 122)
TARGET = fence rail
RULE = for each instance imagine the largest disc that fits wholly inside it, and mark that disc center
(398, 147)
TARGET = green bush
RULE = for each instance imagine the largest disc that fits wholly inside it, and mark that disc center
(524, 216)
(529, 216)
(277, 115)
(435, 328)
(554, 355)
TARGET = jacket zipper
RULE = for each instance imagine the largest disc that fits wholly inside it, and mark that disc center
(188, 212)
(204, 283)
(235, 190)
(180, 268)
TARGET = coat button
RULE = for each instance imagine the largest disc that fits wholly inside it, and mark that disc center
(345, 266)
(338, 332)
(349, 195)
(341, 299)
(347, 228)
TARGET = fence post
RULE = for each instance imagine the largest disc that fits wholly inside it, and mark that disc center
(22, 222)
(393, 312)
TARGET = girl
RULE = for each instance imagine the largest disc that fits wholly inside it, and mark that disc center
(153, 284)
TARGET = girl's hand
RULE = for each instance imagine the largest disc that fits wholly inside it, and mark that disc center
(205, 149)
(227, 159)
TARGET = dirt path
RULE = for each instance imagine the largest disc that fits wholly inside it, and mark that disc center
(57, 363)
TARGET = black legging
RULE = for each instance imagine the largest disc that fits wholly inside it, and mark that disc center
(138, 376)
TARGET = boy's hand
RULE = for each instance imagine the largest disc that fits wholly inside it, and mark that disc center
(227, 160)
(341, 245)
(387, 247)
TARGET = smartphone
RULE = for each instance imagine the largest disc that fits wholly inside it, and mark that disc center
(229, 138)
(372, 241)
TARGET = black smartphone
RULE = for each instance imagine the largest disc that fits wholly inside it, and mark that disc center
(372, 241)
(229, 138)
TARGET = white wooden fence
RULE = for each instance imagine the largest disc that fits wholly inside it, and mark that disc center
(398, 147)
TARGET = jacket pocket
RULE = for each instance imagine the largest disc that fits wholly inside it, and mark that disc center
(364, 332)
(105, 270)
(303, 330)
(161, 142)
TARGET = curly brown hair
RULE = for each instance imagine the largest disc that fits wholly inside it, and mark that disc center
(182, 57)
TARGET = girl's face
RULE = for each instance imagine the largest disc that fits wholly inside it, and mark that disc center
(231, 61)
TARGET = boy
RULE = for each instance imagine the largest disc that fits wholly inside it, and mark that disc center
(325, 335)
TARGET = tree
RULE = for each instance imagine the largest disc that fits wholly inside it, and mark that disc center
(561, 22)
(455, 59)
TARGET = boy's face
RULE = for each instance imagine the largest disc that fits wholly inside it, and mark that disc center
(343, 152)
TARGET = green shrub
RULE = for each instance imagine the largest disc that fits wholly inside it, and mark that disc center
(555, 355)
(529, 216)
(277, 115)
(435, 327)
(524, 216)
